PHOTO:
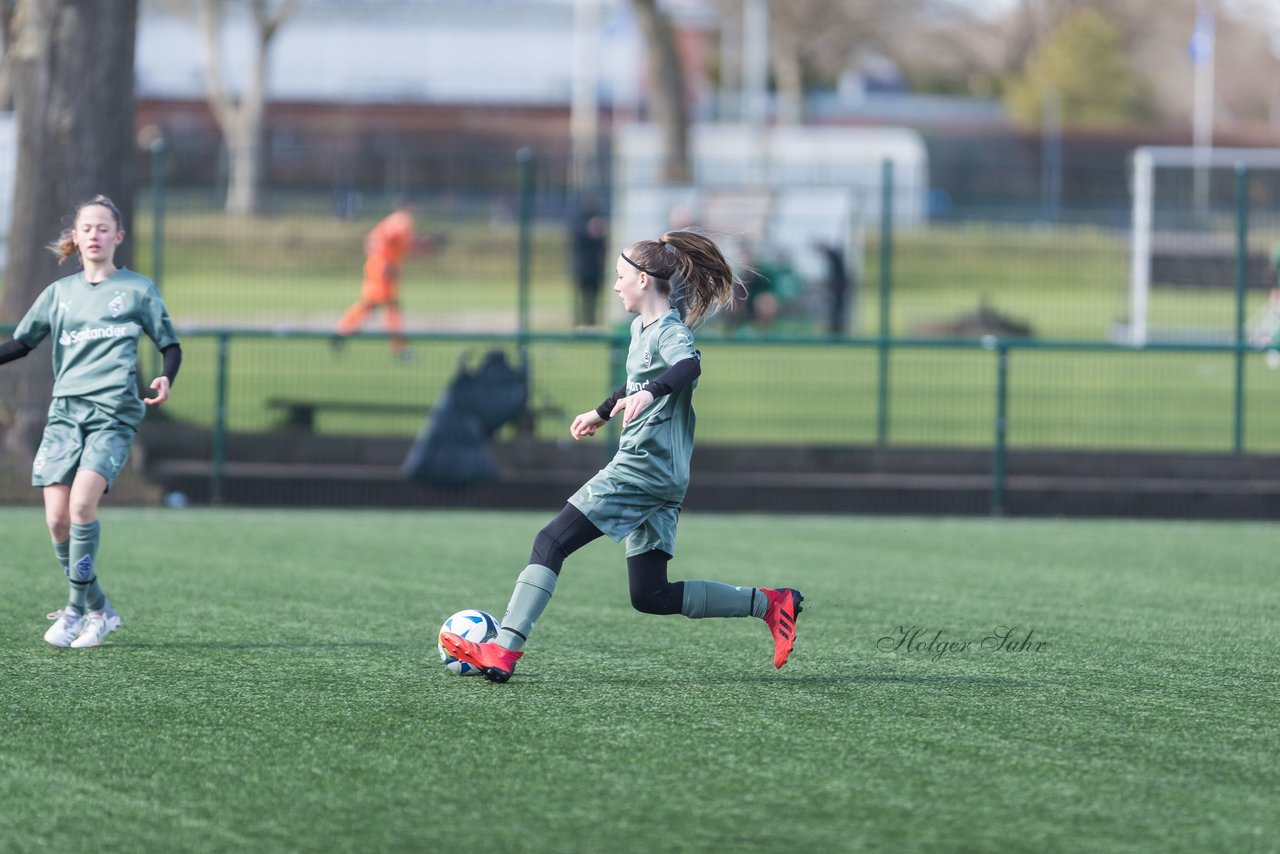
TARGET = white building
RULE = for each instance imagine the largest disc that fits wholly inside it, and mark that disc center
(419, 51)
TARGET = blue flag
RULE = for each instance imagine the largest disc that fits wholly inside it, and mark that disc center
(1201, 46)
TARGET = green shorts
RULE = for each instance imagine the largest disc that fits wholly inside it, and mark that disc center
(81, 436)
(620, 509)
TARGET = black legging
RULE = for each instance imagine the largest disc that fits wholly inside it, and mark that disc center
(651, 592)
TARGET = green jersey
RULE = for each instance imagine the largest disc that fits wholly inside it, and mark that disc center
(95, 330)
(654, 449)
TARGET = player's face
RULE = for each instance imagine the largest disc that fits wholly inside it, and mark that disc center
(628, 286)
(96, 234)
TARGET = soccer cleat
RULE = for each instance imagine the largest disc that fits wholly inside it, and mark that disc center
(784, 607)
(97, 625)
(64, 630)
(496, 663)
(113, 619)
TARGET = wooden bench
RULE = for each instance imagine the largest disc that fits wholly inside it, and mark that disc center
(300, 413)
(1207, 261)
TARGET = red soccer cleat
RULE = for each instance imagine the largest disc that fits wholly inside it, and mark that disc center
(496, 663)
(784, 607)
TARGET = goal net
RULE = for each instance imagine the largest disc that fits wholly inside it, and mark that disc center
(1184, 262)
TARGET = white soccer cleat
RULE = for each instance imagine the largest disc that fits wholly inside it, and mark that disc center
(97, 626)
(65, 629)
(106, 609)
(113, 619)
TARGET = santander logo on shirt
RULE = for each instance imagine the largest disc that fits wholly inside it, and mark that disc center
(71, 338)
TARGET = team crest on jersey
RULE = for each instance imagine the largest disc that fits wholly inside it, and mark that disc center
(646, 357)
(116, 305)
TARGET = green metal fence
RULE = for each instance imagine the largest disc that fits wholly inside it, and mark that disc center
(256, 298)
(501, 262)
(990, 394)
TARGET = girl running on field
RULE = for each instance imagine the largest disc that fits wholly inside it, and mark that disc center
(93, 319)
(639, 493)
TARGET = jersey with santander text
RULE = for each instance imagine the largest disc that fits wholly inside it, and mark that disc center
(654, 449)
(94, 330)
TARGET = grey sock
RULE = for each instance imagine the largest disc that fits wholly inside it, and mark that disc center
(714, 599)
(533, 591)
(81, 569)
(62, 551)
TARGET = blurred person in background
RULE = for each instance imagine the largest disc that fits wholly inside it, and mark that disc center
(839, 286)
(94, 319)
(588, 237)
(385, 248)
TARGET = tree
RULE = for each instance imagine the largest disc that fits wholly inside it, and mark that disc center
(241, 118)
(7, 8)
(817, 39)
(670, 111)
(1083, 64)
(73, 91)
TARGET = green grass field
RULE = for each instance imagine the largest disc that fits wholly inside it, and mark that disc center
(276, 687)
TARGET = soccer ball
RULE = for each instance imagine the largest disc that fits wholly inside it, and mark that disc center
(472, 625)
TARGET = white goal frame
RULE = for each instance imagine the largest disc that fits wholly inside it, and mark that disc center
(1146, 159)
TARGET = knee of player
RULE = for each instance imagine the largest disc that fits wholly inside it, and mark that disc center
(59, 525)
(83, 511)
(547, 550)
(643, 602)
(654, 601)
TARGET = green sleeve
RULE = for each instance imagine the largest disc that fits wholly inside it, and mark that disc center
(35, 326)
(676, 345)
(156, 322)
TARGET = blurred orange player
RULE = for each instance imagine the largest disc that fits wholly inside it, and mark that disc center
(386, 247)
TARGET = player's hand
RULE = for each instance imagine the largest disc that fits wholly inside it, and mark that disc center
(585, 424)
(160, 385)
(631, 405)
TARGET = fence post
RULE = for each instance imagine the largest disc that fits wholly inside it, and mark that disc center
(158, 149)
(886, 286)
(524, 160)
(218, 469)
(1242, 284)
(1001, 427)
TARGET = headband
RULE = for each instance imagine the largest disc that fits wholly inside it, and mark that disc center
(642, 269)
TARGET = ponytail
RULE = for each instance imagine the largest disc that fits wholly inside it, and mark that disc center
(706, 277)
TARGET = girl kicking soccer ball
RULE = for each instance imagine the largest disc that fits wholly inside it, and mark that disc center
(637, 496)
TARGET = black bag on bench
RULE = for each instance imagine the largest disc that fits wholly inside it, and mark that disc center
(453, 447)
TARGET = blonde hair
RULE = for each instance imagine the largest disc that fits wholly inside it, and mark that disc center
(65, 246)
(706, 277)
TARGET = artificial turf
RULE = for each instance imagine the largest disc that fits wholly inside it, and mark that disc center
(276, 687)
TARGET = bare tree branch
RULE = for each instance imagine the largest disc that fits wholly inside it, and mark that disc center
(241, 118)
(670, 111)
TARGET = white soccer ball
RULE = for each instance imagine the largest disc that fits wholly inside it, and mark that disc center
(472, 625)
